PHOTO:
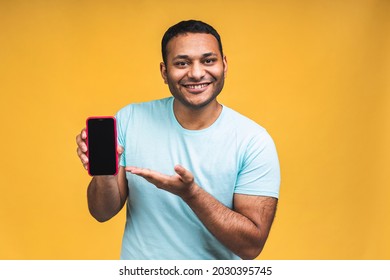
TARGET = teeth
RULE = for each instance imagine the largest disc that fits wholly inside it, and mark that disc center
(196, 86)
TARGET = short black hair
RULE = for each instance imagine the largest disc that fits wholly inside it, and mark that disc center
(188, 26)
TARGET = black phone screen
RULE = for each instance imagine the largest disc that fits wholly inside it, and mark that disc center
(101, 141)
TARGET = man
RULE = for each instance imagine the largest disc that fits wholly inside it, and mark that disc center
(221, 199)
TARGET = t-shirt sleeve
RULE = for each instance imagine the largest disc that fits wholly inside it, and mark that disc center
(259, 172)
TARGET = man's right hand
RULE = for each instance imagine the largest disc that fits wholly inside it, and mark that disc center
(106, 194)
(82, 148)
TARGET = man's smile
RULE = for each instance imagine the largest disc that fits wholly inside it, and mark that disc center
(196, 86)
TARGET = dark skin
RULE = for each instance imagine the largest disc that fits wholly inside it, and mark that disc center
(194, 71)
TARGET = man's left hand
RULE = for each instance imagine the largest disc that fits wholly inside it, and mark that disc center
(182, 183)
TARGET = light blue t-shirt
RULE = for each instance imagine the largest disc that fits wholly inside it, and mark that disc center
(233, 155)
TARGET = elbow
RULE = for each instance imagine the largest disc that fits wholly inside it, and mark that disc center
(101, 219)
(99, 216)
(251, 250)
(250, 253)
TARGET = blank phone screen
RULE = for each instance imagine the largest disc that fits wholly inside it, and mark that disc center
(102, 152)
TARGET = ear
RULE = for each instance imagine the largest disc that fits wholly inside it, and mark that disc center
(225, 66)
(163, 70)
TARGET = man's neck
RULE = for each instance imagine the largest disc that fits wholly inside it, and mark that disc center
(197, 118)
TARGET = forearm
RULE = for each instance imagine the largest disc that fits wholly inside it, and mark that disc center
(234, 230)
(105, 199)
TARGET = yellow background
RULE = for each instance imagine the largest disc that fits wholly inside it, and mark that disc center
(316, 74)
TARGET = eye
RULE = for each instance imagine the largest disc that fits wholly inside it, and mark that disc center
(209, 61)
(181, 64)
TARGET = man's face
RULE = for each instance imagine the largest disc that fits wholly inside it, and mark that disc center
(195, 69)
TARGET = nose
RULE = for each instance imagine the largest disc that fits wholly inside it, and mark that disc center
(196, 72)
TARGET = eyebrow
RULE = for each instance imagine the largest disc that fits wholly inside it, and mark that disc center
(184, 56)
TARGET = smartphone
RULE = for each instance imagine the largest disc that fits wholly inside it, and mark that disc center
(102, 146)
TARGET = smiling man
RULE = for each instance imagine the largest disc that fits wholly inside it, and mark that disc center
(201, 181)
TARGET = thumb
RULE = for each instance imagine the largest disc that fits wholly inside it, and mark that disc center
(185, 175)
(120, 150)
